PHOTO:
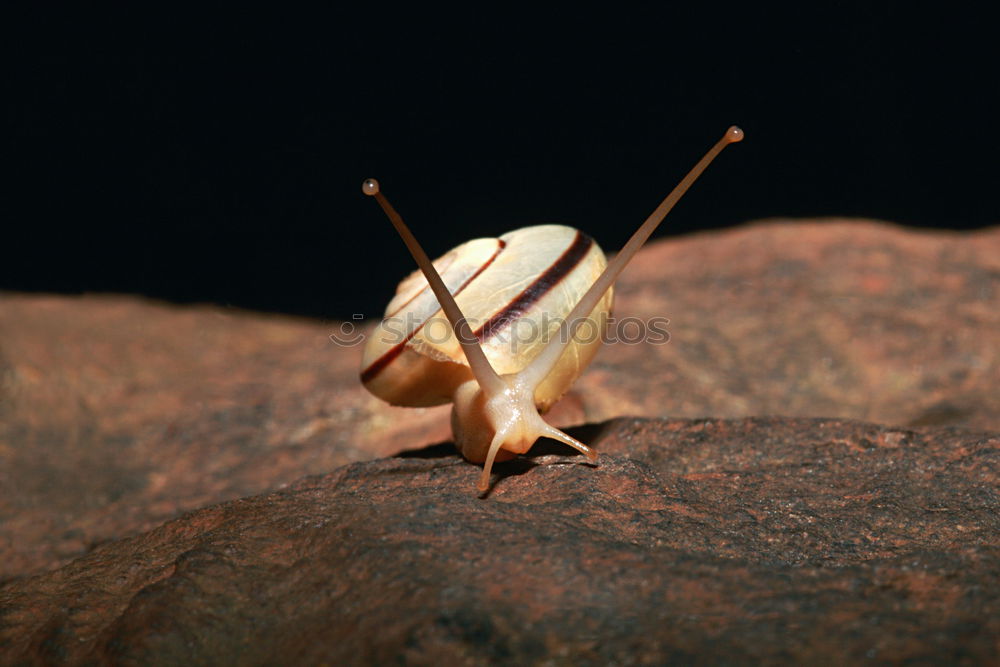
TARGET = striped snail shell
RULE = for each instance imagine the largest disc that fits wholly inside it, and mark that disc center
(511, 339)
(514, 290)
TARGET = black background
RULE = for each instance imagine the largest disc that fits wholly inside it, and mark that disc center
(217, 156)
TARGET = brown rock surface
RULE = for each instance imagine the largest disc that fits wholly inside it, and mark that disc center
(117, 414)
(807, 541)
(840, 319)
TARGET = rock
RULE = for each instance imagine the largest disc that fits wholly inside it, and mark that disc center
(838, 319)
(117, 414)
(715, 541)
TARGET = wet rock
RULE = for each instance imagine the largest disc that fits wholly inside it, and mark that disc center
(776, 540)
(117, 414)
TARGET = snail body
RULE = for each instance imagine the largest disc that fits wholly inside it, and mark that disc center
(501, 328)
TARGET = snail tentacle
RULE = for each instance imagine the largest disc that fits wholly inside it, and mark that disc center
(495, 445)
(554, 433)
(546, 360)
(480, 365)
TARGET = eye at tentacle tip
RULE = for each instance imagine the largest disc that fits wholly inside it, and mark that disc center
(370, 187)
(734, 134)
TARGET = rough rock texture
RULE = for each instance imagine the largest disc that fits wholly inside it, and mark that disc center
(118, 414)
(779, 540)
(852, 320)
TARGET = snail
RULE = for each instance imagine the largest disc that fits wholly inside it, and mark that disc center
(553, 278)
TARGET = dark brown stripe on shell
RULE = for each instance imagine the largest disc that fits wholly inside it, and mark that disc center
(380, 364)
(568, 261)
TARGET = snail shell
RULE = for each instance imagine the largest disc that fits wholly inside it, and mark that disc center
(513, 290)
